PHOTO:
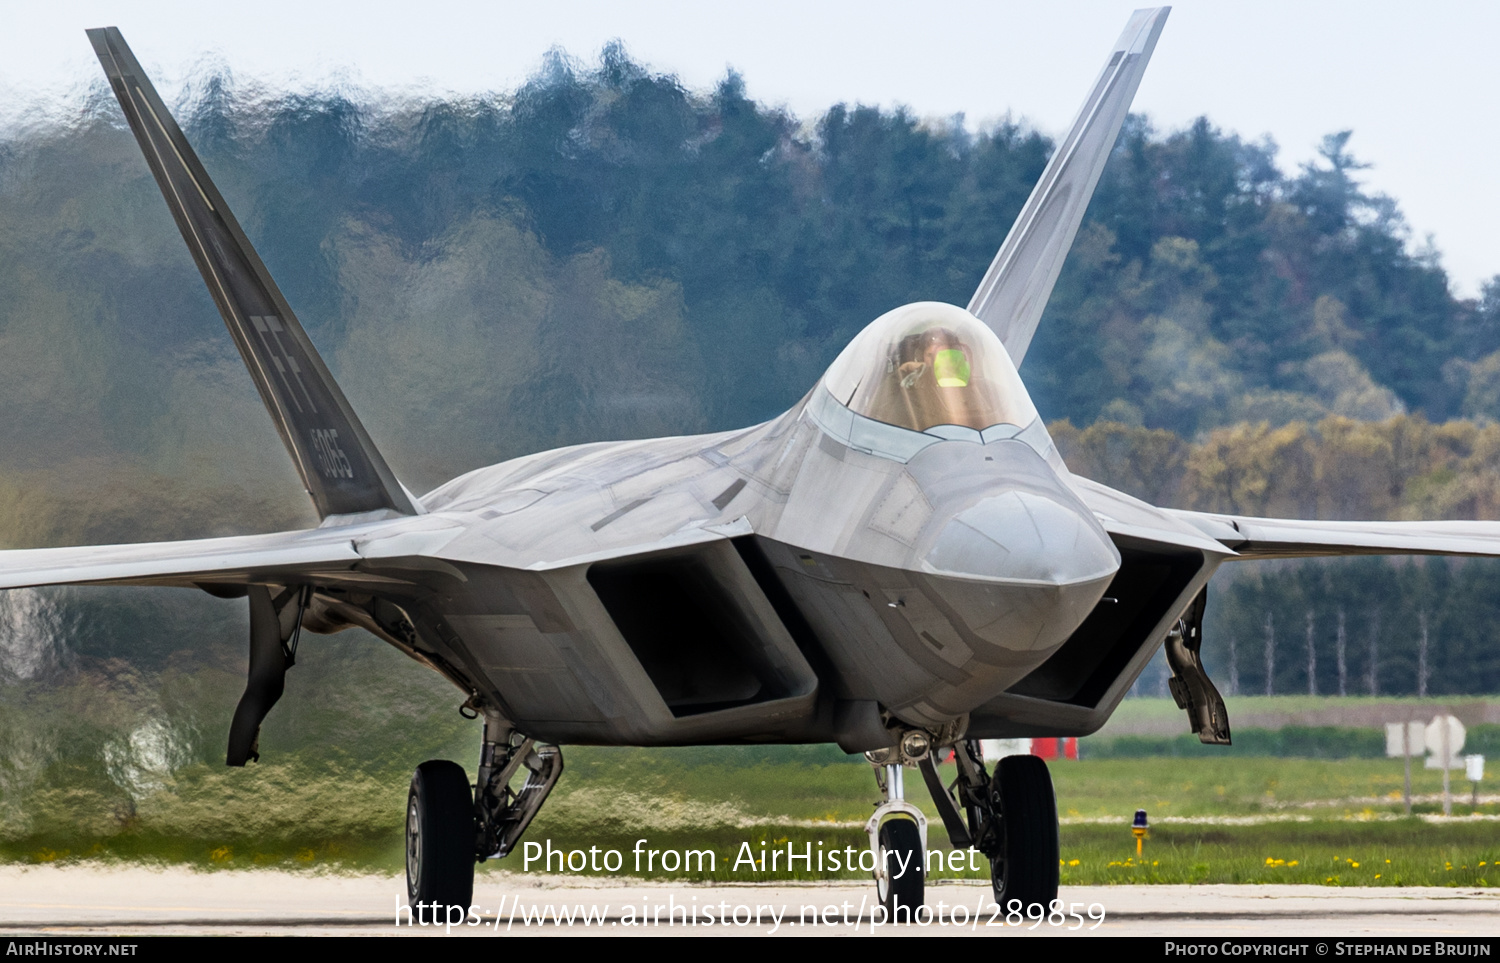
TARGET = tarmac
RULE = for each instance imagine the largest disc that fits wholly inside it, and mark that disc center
(93, 900)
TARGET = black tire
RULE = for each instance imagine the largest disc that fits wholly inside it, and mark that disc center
(902, 839)
(1026, 868)
(440, 835)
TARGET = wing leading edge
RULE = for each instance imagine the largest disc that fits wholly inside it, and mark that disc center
(1234, 537)
(339, 464)
(236, 560)
(1015, 289)
(1251, 537)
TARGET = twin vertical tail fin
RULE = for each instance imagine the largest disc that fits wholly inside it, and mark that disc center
(1016, 288)
(339, 465)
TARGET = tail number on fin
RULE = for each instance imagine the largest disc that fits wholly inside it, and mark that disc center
(270, 329)
(332, 461)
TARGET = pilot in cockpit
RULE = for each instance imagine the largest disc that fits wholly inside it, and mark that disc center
(929, 364)
(938, 350)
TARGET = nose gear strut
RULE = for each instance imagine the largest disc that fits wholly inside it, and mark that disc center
(1010, 817)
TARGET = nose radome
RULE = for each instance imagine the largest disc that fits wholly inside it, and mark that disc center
(1024, 536)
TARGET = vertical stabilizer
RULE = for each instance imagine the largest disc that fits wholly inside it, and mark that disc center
(1015, 290)
(340, 467)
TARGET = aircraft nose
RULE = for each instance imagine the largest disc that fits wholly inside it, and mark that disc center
(1024, 536)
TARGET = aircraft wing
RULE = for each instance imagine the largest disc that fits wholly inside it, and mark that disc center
(1126, 516)
(1019, 282)
(1244, 536)
(344, 556)
(187, 563)
(1250, 537)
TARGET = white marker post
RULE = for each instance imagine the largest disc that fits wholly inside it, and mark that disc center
(1445, 736)
(1403, 739)
(1474, 769)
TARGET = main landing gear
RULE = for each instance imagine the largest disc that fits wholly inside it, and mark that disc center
(1024, 859)
(449, 826)
(440, 835)
(1010, 817)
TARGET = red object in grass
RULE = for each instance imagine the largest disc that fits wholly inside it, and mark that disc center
(1055, 748)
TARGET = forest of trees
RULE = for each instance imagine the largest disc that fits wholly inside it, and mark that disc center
(1358, 627)
(603, 254)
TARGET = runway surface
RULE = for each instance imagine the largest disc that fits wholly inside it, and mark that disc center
(91, 900)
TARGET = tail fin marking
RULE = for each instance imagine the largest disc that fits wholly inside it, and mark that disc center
(339, 465)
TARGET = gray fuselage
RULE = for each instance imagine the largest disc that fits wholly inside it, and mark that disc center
(780, 583)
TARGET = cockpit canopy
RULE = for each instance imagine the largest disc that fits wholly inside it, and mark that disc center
(930, 364)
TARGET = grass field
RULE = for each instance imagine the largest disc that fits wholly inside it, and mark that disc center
(1160, 716)
(1234, 820)
(128, 771)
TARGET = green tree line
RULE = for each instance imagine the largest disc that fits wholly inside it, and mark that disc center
(601, 253)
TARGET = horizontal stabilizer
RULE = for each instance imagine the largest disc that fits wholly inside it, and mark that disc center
(340, 467)
(1018, 284)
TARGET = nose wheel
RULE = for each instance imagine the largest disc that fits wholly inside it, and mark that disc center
(904, 881)
(898, 840)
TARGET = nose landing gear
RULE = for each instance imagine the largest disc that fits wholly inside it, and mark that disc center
(1011, 818)
(898, 839)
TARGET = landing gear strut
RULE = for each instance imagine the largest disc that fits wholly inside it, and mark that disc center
(503, 813)
(1011, 818)
(898, 839)
(449, 826)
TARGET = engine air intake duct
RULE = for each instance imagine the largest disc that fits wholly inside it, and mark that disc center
(685, 618)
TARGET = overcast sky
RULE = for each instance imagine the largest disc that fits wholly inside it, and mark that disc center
(1415, 83)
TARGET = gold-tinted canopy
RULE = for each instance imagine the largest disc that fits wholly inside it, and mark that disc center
(930, 364)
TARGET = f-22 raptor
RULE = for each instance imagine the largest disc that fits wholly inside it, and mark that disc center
(901, 564)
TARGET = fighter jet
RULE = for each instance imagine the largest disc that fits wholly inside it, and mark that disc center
(900, 564)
